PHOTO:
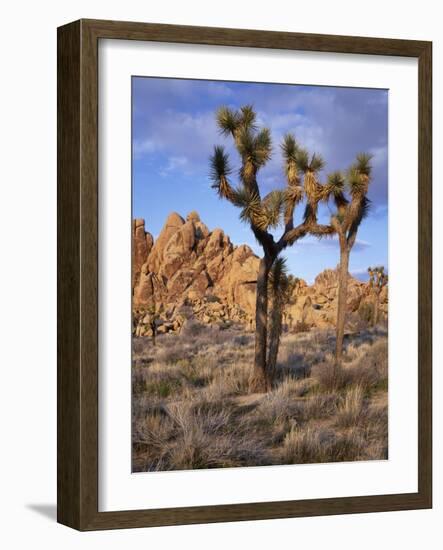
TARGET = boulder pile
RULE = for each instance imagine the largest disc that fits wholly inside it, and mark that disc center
(191, 273)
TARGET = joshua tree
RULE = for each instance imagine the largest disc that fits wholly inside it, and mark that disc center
(378, 279)
(280, 292)
(153, 316)
(263, 214)
(346, 223)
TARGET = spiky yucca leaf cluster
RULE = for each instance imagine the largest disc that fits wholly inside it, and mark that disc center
(273, 205)
(219, 172)
(251, 206)
(359, 174)
(350, 214)
(278, 278)
(227, 120)
(312, 188)
(291, 150)
(254, 147)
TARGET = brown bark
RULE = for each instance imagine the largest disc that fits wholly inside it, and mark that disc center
(274, 337)
(342, 299)
(260, 379)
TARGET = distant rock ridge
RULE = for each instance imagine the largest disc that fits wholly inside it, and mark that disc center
(191, 272)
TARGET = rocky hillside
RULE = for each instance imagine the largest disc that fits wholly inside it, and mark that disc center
(190, 272)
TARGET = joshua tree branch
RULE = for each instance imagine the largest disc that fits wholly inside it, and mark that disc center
(289, 237)
(352, 235)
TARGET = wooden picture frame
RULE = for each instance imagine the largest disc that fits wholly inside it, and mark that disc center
(78, 274)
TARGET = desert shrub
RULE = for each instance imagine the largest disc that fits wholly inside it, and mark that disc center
(311, 445)
(192, 328)
(347, 447)
(242, 340)
(171, 354)
(198, 371)
(319, 405)
(162, 388)
(374, 430)
(138, 381)
(139, 345)
(355, 323)
(351, 408)
(323, 338)
(303, 446)
(199, 450)
(232, 380)
(292, 365)
(221, 335)
(369, 367)
(151, 432)
(143, 407)
(330, 377)
(376, 358)
(276, 407)
(293, 387)
(202, 439)
(158, 380)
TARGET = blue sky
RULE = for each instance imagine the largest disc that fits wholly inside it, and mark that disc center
(174, 132)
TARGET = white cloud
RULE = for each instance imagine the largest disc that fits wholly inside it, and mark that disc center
(141, 147)
(175, 163)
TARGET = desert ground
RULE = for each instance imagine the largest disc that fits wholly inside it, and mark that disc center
(192, 405)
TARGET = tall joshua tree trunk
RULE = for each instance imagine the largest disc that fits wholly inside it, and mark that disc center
(274, 337)
(342, 299)
(346, 224)
(261, 379)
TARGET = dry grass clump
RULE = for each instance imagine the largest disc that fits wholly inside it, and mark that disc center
(312, 445)
(171, 354)
(275, 408)
(159, 382)
(319, 405)
(193, 408)
(376, 431)
(330, 377)
(232, 380)
(293, 387)
(193, 435)
(351, 409)
(366, 366)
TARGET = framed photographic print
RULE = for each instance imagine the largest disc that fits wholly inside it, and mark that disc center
(244, 275)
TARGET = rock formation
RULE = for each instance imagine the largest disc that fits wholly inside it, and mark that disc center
(191, 272)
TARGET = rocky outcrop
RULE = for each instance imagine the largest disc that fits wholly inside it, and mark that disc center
(189, 267)
(191, 272)
(316, 305)
(142, 243)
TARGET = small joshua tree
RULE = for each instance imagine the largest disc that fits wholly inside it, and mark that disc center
(346, 223)
(378, 279)
(267, 213)
(153, 317)
(280, 293)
